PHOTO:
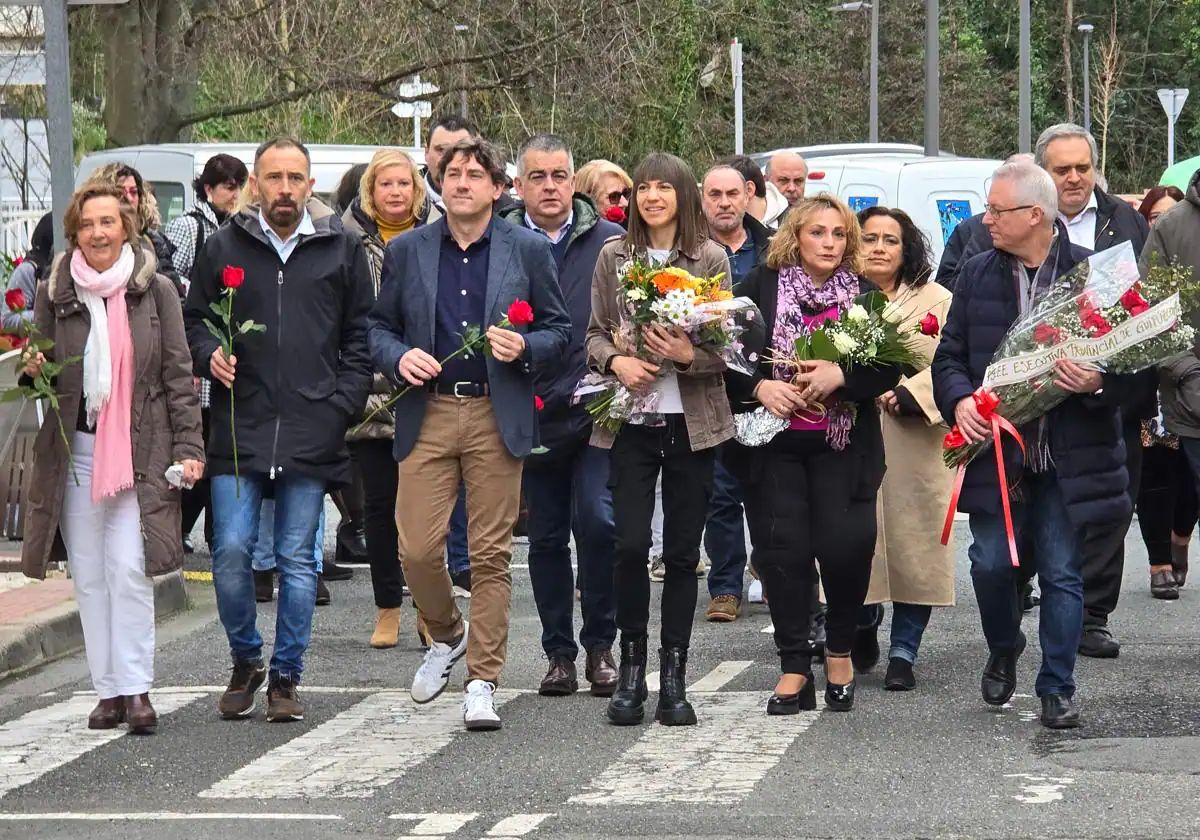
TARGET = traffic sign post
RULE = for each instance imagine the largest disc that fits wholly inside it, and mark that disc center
(1172, 100)
(413, 107)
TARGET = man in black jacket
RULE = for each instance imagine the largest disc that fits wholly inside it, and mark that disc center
(1098, 221)
(1076, 474)
(286, 265)
(567, 487)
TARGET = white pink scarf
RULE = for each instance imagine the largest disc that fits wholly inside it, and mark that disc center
(108, 370)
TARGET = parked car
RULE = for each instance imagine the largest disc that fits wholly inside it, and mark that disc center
(843, 149)
(171, 167)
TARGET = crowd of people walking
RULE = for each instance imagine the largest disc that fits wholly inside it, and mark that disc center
(337, 368)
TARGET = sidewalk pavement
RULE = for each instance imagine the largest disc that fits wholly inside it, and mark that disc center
(39, 621)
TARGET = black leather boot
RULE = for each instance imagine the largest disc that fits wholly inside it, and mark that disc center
(673, 707)
(628, 703)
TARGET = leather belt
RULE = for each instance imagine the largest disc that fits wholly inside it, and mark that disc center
(462, 390)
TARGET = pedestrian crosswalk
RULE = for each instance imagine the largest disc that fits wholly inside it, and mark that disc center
(376, 736)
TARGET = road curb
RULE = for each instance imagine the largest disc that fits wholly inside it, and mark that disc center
(56, 632)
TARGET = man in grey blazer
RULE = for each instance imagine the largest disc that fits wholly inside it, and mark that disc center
(470, 417)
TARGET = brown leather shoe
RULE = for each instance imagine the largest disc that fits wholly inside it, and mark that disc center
(108, 714)
(283, 702)
(238, 699)
(601, 672)
(561, 679)
(140, 715)
(723, 608)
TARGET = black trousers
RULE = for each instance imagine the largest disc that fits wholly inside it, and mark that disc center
(1166, 501)
(380, 477)
(637, 457)
(198, 499)
(805, 507)
(1103, 546)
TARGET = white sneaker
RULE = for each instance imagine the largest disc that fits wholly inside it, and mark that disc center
(755, 595)
(434, 674)
(479, 708)
(658, 569)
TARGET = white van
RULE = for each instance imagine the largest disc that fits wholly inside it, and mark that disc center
(171, 167)
(937, 192)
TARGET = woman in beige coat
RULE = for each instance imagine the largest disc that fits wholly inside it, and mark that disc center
(912, 569)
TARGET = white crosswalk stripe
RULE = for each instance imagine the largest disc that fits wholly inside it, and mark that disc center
(46, 739)
(368, 746)
(719, 761)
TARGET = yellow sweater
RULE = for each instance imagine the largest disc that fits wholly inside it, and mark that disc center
(387, 231)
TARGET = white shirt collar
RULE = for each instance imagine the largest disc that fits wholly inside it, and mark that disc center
(556, 235)
(285, 248)
(1093, 205)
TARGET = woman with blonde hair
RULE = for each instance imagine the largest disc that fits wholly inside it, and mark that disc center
(810, 492)
(131, 413)
(608, 186)
(391, 194)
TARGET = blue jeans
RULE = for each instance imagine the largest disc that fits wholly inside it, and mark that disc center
(457, 558)
(264, 546)
(298, 504)
(908, 626)
(569, 496)
(725, 535)
(1059, 566)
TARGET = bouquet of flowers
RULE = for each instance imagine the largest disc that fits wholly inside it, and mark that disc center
(867, 333)
(649, 294)
(1100, 315)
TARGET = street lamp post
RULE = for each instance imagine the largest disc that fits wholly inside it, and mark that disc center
(933, 91)
(1025, 86)
(858, 6)
(1086, 29)
(461, 30)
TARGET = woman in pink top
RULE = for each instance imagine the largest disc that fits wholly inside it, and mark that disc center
(810, 492)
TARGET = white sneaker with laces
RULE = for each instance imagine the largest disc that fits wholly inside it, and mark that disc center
(434, 674)
(756, 592)
(479, 708)
(658, 569)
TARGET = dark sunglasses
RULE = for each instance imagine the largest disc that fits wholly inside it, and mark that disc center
(615, 196)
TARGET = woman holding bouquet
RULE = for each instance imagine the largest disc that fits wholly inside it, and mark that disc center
(912, 569)
(127, 404)
(666, 227)
(811, 491)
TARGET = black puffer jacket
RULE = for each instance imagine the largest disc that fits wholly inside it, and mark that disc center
(1085, 439)
(300, 383)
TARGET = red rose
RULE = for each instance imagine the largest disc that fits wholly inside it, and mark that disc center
(954, 439)
(520, 313)
(615, 214)
(14, 299)
(233, 277)
(538, 402)
(1096, 324)
(1046, 334)
(18, 261)
(1133, 302)
(929, 325)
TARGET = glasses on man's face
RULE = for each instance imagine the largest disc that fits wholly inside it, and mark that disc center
(557, 177)
(997, 212)
(615, 196)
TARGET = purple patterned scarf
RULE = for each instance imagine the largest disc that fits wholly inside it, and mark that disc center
(799, 304)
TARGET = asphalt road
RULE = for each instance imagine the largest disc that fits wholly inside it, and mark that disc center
(366, 763)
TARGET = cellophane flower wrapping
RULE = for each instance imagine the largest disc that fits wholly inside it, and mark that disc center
(711, 316)
(1102, 315)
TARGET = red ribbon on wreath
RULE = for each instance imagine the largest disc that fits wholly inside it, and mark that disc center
(986, 403)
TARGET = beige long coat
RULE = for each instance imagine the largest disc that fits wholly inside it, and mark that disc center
(911, 565)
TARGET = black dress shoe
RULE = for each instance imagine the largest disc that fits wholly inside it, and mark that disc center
(334, 572)
(1164, 586)
(1059, 712)
(673, 706)
(627, 706)
(1000, 674)
(1028, 599)
(838, 698)
(561, 679)
(899, 675)
(1179, 562)
(1098, 643)
(864, 653)
(351, 543)
(323, 598)
(792, 704)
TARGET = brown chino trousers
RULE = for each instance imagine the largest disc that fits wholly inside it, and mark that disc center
(460, 440)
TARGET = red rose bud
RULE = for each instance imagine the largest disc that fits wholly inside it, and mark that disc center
(929, 325)
(233, 277)
(14, 299)
(615, 214)
(538, 402)
(954, 439)
(520, 313)
(1046, 334)
(1133, 302)
(18, 261)
(1096, 325)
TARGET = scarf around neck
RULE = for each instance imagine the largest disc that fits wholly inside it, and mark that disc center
(108, 370)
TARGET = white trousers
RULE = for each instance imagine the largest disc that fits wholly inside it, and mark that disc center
(107, 561)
